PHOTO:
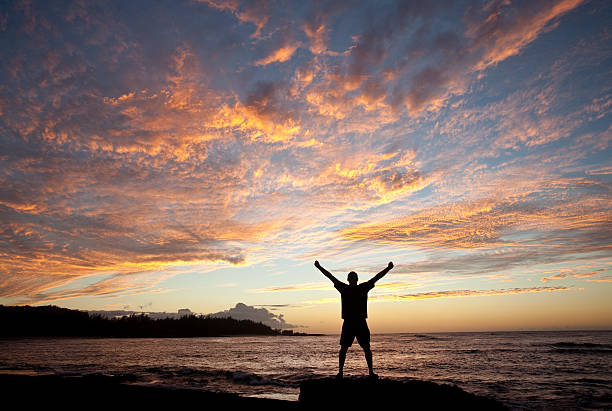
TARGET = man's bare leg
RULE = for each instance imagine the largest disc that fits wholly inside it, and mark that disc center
(368, 355)
(341, 358)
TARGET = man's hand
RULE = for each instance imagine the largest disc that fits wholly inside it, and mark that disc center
(317, 264)
(390, 266)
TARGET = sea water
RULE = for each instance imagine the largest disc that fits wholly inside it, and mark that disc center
(524, 370)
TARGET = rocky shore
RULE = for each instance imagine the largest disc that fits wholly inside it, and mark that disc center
(102, 391)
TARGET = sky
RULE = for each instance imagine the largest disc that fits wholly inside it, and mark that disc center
(200, 154)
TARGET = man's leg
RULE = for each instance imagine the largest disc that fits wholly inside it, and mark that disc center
(368, 354)
(363, 337)
(341, 358)
(346, 340)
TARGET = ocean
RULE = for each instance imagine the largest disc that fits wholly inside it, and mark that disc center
(524, 370)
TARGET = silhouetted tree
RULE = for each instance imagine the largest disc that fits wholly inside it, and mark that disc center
(52, 321)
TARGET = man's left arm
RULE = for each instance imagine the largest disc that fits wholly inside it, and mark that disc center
(381, 274)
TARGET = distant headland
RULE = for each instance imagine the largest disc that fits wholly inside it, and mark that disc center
(53, 321)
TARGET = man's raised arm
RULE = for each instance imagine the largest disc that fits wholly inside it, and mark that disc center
(382, 273)
(327, 273)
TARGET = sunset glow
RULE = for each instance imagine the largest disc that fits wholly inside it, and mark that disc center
(197, 154)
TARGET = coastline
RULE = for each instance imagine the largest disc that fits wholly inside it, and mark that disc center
(114, 392)
(71, 392)
(113, 337)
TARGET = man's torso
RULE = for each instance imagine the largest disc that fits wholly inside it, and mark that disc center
(354, 300)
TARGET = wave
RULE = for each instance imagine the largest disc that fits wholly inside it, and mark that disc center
(235, 377)
(427, 337)
(168, 376)
(579, 351)
(569, 347)
(254, 379)
(567, 344)
(593, 381)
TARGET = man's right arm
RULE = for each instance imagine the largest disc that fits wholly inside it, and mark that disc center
(327, 273)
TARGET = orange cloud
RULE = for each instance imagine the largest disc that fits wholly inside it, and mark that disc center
(571, 273)
(247, 12)
(318, 37)
(119, 285)
(119, 158)
(448, 294)
(480, 223)
(279, 55)
(297, 287)
(500, 37)
(601, 171)
(258, 124)
(326, 286)
(466, 293)
(607, 279)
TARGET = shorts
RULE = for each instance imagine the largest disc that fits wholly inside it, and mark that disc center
(355, 328)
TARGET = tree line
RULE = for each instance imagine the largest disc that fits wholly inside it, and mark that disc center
(53, 321)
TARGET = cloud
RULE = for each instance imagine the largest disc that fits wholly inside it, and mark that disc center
(117, 285)
(224, 285)
(133, 153)
(466, 293)
(515, 262)
(261, 315)
(279, 55)
(319, 37)
(554, 277)
(510, 236)
(448, 294)
(601, 171)
(571, 273)
(493, 34)
(487, 222)
(606, 279)
(254, 12)
(381, 59)
(263, 114)
(326, 286)
(501, 32)
(295, 287)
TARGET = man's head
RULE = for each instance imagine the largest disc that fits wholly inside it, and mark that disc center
(352, 278)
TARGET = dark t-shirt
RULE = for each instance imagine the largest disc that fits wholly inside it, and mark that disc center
(354, 299)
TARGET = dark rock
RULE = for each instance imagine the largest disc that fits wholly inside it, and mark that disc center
(365, 393)
(112, 393)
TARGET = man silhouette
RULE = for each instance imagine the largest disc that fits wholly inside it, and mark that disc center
(354, 312)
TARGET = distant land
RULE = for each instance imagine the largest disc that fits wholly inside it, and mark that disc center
(53, 321)
(240, 312)
(112, 314)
